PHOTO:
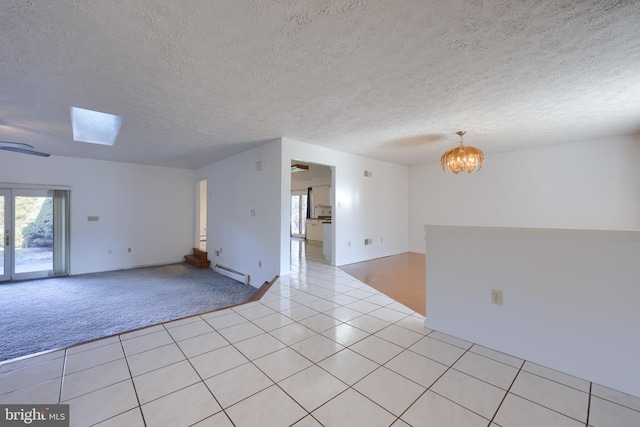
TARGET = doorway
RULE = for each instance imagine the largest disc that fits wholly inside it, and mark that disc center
(34, 237)
(312, 195)
(201, 216)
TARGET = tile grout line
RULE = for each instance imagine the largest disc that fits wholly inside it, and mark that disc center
(135, 389)
(507, 393)
(64, 367)
(589, 404)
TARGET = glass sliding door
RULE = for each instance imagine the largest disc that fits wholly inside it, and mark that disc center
(35, 233)
(298, 214)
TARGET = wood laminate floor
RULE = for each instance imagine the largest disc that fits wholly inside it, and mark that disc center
(401, 277)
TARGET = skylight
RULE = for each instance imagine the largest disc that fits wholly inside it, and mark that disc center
(94, 127)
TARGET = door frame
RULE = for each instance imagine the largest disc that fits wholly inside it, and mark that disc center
(202, 197)
(7, 230)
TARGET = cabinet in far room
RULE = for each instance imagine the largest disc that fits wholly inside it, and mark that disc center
(314, 229)
(322, 195)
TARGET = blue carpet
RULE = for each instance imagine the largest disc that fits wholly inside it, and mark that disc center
(45, 314)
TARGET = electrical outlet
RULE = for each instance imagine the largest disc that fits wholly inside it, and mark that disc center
(259, 263)
(496, 297)
(128, 249)
(349, 243)
(381, 239)
(217, 253)
(110, 251)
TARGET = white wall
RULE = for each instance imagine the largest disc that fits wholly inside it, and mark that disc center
(589, 185)
(363, 208)
(570, 297)
(375, 207)
(236, 188)
(149, 209)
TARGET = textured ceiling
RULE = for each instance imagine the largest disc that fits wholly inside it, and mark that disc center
(196, 81)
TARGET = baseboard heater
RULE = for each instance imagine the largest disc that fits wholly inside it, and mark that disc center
(229, 272)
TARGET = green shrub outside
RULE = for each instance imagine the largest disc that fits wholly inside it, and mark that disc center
(39, 233)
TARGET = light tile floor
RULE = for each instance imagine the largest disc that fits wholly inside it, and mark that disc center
(319, 349)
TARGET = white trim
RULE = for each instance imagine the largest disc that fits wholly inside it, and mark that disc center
(540, 232)
(22, 186)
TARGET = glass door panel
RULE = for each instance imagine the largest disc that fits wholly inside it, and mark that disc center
(295, 215)
(303, 215)
(298, 214)
(33, 233)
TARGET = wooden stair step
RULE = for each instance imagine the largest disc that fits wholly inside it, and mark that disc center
(197, 262)
(198, 254)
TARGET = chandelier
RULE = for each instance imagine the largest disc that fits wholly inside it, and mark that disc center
(462, 158)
